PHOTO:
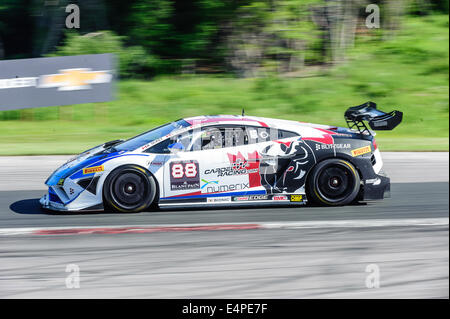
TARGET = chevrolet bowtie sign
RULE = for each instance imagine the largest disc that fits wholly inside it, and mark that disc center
(74, 79)
(56, 81)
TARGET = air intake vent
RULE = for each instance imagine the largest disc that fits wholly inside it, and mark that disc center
(89, 184)
(93, 186)
(84, 182)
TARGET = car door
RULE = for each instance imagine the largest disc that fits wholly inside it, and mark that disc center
(234, 169)
(223, 168)
(181, 169)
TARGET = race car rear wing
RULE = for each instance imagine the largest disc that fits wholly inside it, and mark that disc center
(378, 120)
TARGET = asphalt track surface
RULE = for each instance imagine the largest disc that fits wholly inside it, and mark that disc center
(311, 252)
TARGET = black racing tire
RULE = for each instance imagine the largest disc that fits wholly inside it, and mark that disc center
(333, 182)
(129, 189)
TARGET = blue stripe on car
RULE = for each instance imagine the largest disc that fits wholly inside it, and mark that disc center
(79, 173)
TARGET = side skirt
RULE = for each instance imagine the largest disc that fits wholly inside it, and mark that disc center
(227, 201)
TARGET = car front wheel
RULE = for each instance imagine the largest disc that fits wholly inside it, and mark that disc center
(129, 188)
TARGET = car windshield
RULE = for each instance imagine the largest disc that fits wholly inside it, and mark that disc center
(149, 136)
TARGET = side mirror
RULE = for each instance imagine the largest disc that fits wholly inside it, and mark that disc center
(112, 143)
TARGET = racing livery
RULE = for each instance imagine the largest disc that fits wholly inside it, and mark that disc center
(229, 160)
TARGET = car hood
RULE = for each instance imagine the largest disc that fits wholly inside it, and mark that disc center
(79, 162)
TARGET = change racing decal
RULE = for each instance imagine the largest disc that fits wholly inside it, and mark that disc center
(239, 165)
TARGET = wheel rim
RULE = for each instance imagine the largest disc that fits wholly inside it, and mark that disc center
(335, 182)
(130, 189)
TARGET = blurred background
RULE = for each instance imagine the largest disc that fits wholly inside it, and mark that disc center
(291, 59)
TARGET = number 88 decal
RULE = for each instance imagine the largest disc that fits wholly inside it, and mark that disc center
(184, 169)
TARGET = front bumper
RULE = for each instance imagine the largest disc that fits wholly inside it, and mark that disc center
(49, 205)
(82, 204)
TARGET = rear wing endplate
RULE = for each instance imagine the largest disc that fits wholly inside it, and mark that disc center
(378, 120)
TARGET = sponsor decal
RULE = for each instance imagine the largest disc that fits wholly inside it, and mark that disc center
(374, 181)
(157, 163)
(93, 169)
(279, 197)
(264, 134)
(229, 171)
(240, 198)
(332, 146)
(227, 188)
(239, 165)
(253, 134)
(361, 151)
(219, 199)
(184, 175)
(296, 198)
(250, 198)
(208, 182)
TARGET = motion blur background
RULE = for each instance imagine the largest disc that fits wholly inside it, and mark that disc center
(305, 60)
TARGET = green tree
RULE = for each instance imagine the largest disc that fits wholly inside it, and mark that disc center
(133, 60)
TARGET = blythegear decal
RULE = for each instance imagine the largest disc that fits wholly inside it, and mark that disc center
(361, 151)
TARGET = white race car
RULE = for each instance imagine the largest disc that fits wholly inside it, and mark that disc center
(228, 160)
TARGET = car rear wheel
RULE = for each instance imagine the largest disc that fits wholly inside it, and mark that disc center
(333, 182)
(129, 188)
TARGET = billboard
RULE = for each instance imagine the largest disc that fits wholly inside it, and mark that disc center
(28, 83)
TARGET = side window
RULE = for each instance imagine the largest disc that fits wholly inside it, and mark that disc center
(260, 134)
(212, 138)
(173, 144)
(235, 136)
(286, 134)
(216, 137)
(160, 148)
(181, 141)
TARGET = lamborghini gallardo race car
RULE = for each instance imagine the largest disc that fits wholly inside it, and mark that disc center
(229, 160)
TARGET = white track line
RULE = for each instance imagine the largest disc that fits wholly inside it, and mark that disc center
(363, 223)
